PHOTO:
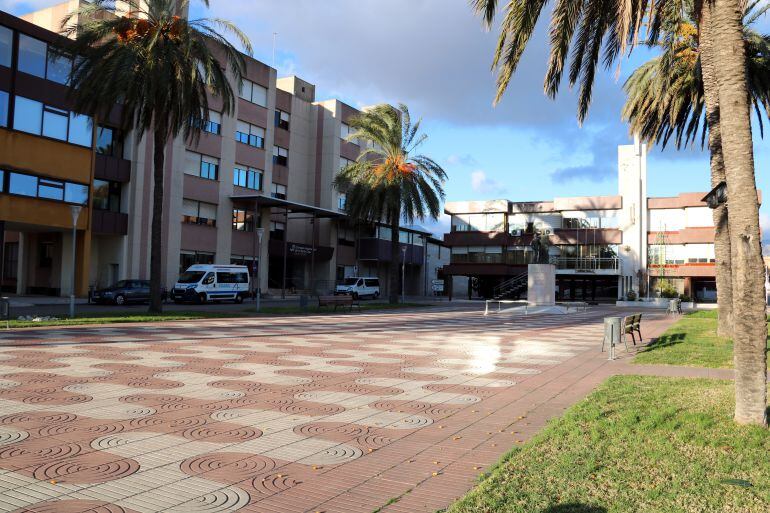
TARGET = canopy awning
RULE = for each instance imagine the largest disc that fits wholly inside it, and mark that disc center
(291, 206)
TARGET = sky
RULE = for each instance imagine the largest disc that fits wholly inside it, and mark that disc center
(435, 56)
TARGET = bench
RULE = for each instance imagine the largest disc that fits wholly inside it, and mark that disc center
(337, 301)
(630, 324)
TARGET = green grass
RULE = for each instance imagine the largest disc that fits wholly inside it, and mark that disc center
(637, 444)
(691, 342)
(129, 317)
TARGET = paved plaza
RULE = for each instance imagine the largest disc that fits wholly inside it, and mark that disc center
(334, 413)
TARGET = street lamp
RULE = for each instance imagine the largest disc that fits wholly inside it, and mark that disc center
(255, 278)
(75, 210)
(403, 273)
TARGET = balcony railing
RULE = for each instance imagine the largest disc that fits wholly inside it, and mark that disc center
(587, 264)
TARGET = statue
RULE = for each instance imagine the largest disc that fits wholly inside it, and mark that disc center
(539, 250)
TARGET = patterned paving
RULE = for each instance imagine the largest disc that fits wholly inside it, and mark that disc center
(328, 413)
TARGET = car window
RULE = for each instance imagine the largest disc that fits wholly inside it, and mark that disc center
(349, 281)
(360, 283)
(209, 279)
(121, 284)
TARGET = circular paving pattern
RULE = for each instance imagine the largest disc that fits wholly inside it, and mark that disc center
(74, 506)
(86, 469)
(274, 483)
(222, 436)
(332, 430)
(11, 436)
(227, 467)
(224, 500)
(334, 456)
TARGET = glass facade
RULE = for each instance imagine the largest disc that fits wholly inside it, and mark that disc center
(3, 108)
(6, 46)
(247, 177)
(34, 117)
(33, 186)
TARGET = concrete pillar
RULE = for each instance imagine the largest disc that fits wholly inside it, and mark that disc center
(264, 259)
(21, 270)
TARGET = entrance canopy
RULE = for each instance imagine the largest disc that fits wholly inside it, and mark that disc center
(292, 206)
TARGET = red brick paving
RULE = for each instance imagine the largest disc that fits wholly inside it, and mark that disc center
(333, 413)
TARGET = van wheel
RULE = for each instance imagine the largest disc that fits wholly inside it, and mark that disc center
(238, 299)
(120, 300)
(201, 298)
(376, 295)
(354, 295)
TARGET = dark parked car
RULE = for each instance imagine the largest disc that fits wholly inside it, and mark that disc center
(125, 291)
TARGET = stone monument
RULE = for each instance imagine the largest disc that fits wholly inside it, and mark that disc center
(541, 276)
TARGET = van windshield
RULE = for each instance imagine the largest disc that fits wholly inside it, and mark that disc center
(190, 277)
(350, 281)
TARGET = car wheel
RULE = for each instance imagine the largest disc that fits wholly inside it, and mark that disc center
(238, 299)
(201, 298)
(120, 300)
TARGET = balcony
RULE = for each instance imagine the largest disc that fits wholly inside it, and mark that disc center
(112, 168)
(596, 265)
(110, 223)
(379, 249)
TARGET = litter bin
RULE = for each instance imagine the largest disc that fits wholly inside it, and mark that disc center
(612, 333)
(5, 311)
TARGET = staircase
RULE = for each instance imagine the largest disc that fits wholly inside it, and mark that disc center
(512, 287)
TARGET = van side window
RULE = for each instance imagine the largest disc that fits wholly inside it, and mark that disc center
(237, 277)
(372, 283)
(209, 279)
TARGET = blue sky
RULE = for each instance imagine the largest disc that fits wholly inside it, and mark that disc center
(434, 56)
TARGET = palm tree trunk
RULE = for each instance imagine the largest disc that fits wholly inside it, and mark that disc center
(395, 255)
(750, 322)
(156, 237)
(721, 227)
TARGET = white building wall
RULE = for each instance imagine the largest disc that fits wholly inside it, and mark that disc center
(632, 184)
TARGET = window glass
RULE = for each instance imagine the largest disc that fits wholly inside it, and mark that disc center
(105, 138)
(24, 185)
(76, 193)
(32, 55)
(59, 68)
(28, 115)
(81, 130)
(55, 123)
(3, 108)
(259, 95)
(6, 46)
(189, 208)
(246, 88)
(192, 163)
(208, 210)
(50, 189)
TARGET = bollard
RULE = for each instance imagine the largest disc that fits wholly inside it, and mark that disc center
(612, 328)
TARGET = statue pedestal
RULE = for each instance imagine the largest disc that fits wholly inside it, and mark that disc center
(541, 282)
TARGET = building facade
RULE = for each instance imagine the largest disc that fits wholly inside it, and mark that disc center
(268, 165)
(603, 246)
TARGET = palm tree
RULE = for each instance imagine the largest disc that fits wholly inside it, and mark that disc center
(161, 68)
(388, 182)
(666, 100)
(590, 30)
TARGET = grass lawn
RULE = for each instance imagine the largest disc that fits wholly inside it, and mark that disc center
(637, 444)
(133, 317)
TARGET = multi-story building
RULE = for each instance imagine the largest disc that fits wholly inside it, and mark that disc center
(602, 246)
(269, 164)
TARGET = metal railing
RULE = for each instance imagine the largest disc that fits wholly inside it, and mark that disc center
(587, 264)
(509, 285)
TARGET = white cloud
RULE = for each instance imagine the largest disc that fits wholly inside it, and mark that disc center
(438, 227)
(482, 184)
(461, 160)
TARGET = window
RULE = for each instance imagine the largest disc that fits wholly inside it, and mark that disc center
(6, 46)
(198, 212)
(190, 258)
(243, 220)
(35, 118)
(247, 177)
(201, 165)
(280, 156)
(47, 188)
(282, 119)
(345, 131)
(226, 277)
(58, 68)
(109, 142)
(107, 195)
(277, 230)
(342, 200)
(11, 260)
(253, 93)
(213, 124)
(3, 108)
(33, 54)
(278, 191)
(249, 134)
(344, 163)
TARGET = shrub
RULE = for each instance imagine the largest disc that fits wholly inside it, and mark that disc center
(631, 295)
(684, 298)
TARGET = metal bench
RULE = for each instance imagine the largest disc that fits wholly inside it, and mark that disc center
(337, 301)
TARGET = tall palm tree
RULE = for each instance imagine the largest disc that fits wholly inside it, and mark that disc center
(388, 181)
(666, 101)
(161, 68)
(590, 30)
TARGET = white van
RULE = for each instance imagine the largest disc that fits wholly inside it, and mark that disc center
(202, 283)
(359, 287)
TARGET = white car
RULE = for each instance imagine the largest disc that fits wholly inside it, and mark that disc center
(359, 287)
(202, 283)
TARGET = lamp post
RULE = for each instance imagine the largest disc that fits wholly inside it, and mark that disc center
(75, 210)
(255, 278)
(403, 273)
